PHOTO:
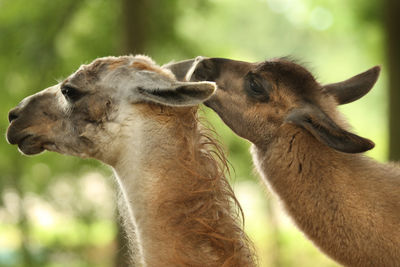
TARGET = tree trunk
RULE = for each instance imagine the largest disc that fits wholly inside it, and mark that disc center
(134, 41)
(135, 20)
(144, 22)
(393, 61)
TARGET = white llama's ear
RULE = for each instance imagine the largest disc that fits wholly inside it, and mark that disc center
(154, 87)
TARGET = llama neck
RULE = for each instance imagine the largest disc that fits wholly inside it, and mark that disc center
(181, 210)
(347, 204)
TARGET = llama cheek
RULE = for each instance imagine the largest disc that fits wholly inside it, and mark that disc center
(101, 147)
(96, 110)
(97, 114)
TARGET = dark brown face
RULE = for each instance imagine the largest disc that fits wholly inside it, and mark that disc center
(252, 98)
(256, 99)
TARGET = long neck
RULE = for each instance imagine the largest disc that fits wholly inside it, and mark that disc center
(347, 204)
(180, 202)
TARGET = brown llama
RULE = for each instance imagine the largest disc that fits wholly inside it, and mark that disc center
(136, 117)
(347, 203)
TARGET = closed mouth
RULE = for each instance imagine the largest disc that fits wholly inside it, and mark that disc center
(21, 141)
(29, 146)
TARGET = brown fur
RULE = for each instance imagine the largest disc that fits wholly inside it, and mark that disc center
(194, 199)
(347, 204)
(113, 64)
(142, 66)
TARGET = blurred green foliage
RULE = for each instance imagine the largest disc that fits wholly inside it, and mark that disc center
(59, 211)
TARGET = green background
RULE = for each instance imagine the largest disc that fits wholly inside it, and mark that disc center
(60, 211)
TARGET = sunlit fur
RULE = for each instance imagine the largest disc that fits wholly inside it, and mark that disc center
(178, 202)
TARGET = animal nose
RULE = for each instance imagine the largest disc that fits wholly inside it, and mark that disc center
(199, 58)
(13, 114)
(204, 70)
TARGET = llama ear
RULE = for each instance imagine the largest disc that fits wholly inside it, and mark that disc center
(180, 68)
(325, 130)
(354, 88)
(154, 87)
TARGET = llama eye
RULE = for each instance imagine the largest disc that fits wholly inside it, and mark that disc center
(255, 86)
(70, 93)
(255, 89)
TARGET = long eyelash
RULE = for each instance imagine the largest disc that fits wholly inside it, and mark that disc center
(59, 80)
(71, 93)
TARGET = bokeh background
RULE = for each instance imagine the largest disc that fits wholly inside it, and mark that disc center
(60, 211)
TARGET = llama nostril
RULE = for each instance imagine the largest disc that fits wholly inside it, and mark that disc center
(12, 115)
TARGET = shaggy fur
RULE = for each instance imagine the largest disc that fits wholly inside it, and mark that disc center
(193, 202)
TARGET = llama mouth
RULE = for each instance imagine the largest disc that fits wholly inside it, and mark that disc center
(29, 145)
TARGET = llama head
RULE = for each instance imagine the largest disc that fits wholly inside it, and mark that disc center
(258, 100)
(91, 112)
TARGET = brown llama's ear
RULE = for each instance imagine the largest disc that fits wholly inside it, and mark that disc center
(325, 130)
(354, 88)
(180, 68)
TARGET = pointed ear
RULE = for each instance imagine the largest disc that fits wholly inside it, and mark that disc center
(180, 68)
(154, 87)
(355, 87)
(325, 130)
(182, 94)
